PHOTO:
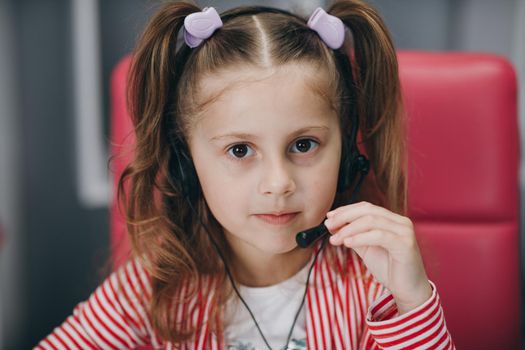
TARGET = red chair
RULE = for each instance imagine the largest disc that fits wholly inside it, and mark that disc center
(463, 187)
(122, 141)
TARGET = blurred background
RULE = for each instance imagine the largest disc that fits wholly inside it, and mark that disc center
(56, 57)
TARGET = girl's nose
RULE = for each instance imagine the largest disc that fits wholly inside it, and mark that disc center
(277, 179)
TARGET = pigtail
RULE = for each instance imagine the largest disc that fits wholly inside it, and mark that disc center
(379, 104)
(144, 187)
(151, 81)
(151, 84)
(152, 77)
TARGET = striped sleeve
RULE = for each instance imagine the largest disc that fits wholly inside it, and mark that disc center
(421, 328)
(113, 317)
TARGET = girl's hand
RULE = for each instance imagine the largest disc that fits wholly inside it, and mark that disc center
(387, 244)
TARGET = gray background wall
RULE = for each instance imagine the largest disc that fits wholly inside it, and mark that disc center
(56, 246)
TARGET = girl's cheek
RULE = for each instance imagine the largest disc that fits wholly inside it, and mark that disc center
(323, 192)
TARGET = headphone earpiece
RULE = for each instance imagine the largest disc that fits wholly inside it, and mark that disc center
(182, 173)
(362, 164)
(184, 177)
(352, 163)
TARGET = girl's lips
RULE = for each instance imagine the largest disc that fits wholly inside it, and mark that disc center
(277, 219)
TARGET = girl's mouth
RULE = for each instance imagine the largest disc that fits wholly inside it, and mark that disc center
(275, 219)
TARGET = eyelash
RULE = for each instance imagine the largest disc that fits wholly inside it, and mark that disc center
(311, 140)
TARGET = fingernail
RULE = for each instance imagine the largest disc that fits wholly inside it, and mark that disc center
(330, 214)
(334, 239)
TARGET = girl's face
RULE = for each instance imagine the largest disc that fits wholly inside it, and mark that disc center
(267, 154)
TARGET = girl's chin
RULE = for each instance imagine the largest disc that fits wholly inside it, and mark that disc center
(279, 246)
(268, 243)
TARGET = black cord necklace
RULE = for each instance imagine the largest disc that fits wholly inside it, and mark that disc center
(363, 169)
(230, 277)
(298, 310)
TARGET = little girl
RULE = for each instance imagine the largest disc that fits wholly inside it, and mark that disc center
(253, 126)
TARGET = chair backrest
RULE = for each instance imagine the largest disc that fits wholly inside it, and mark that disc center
(122, 141)
(463, 186)
(463, 189)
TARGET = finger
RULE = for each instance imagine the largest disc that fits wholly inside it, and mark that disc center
(386, 240)
(367, 223)
(348, 213)
(365, 207)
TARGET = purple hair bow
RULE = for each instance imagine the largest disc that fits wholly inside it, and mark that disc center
(201, 25)
(330, 28)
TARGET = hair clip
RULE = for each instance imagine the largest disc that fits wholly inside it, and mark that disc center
(330, 28)
(201, 25)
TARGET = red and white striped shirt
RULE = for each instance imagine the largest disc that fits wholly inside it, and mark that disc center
(343, 311)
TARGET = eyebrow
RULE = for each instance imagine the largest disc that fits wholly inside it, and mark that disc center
(241, 135)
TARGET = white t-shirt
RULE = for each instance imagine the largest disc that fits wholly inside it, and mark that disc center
(274, 308)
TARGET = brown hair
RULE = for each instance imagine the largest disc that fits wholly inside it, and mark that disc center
(162, 92)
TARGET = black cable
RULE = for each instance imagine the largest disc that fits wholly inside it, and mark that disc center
(304, 295)
(230, 277)
(363, 166)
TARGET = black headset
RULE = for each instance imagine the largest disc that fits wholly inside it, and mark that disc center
(183, 176)
(181, 170)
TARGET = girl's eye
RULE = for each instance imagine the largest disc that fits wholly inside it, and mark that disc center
(239, 151)
(304, 145)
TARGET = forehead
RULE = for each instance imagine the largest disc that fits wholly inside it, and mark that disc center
(302, 84)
